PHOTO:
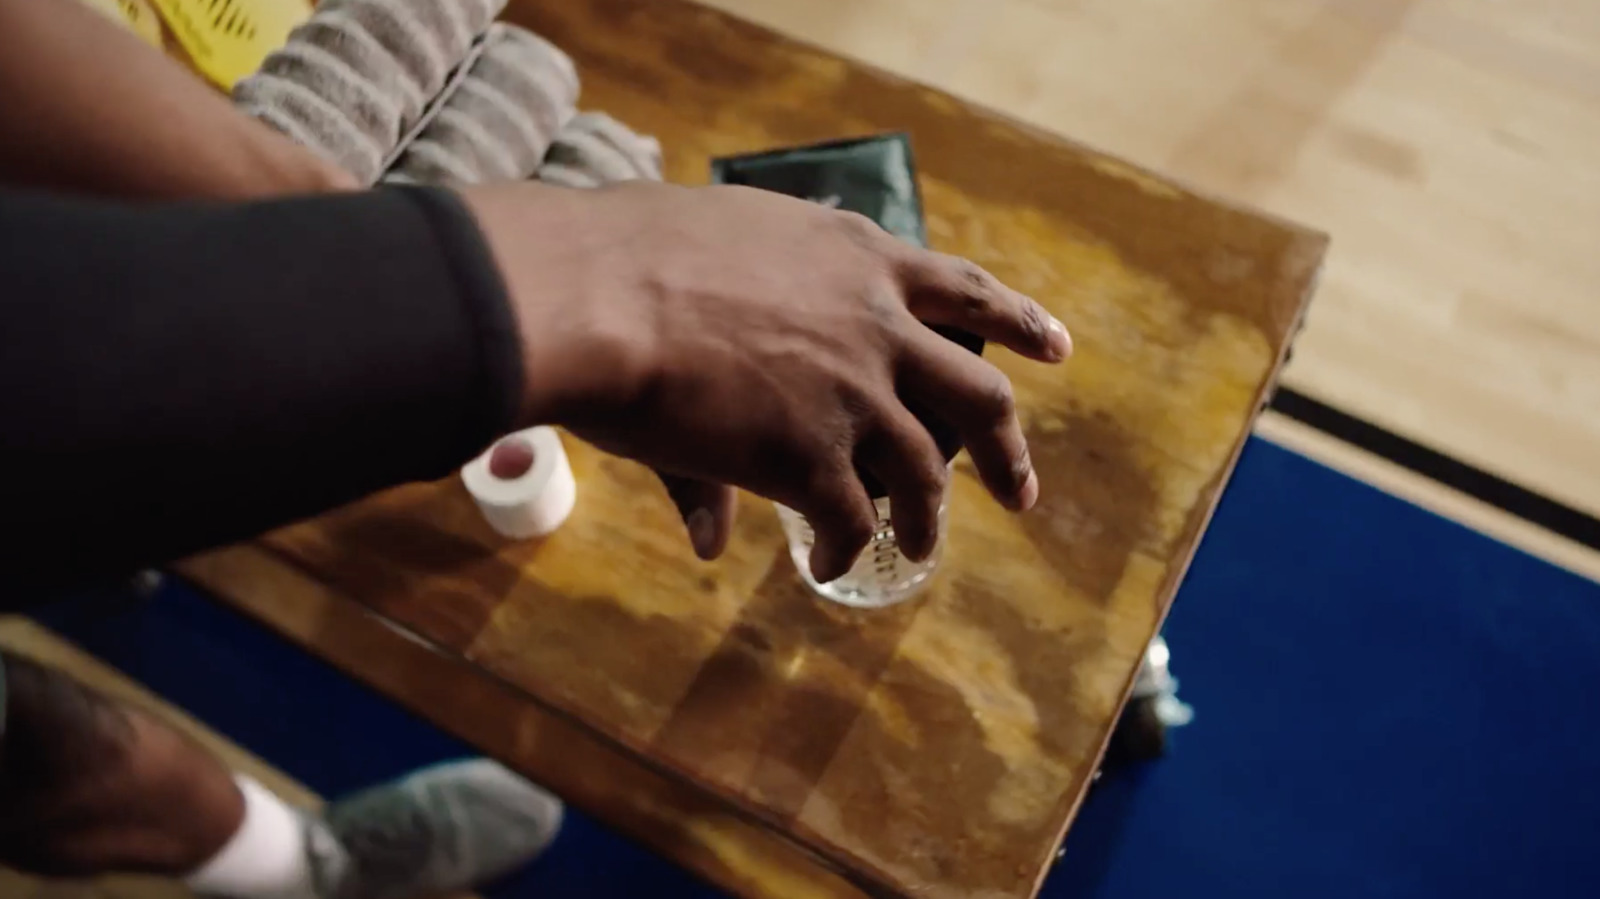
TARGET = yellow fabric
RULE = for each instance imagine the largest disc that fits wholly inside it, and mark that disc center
(228, 39)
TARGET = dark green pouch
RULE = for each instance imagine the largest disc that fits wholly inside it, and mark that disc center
(874, 176)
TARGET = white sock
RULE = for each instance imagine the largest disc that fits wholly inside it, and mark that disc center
(265, 858)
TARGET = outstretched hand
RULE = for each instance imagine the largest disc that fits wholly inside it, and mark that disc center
(725, 335)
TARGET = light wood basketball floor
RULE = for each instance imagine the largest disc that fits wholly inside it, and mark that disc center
(1451, 147)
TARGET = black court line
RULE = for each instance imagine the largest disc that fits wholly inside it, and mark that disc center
(1550, 514)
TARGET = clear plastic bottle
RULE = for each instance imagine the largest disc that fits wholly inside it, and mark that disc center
(881, 576)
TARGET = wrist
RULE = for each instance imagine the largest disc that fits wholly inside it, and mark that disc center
(279, 167)
(576, 364)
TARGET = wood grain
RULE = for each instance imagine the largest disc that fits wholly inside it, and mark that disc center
(939, 748)
(618, 788)
(1451, 147)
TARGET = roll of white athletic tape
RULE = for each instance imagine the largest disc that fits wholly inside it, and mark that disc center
(521, 496)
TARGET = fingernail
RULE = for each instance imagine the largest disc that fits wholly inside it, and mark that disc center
(1029, 493)
(702, 532)
(1060, 340)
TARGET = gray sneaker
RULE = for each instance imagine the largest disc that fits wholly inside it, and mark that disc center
(439, 830)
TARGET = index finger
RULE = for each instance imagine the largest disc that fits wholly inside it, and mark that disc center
(947, 290)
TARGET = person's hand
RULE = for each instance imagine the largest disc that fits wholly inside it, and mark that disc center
(726, 335)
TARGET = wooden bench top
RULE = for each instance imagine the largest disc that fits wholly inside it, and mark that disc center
(777, 743)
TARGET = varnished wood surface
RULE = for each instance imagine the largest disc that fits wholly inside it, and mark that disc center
(938, 748)
(1450, 147)
(665, 813)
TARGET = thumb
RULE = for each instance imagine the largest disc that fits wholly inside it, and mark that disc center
(707, 511)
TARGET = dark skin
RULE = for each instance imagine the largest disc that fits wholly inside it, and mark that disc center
(89, 785)
(798, 324)
(105, 113)
(89, 108)
(722, 335)
(732, 336)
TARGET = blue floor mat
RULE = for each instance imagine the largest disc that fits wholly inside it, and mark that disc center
(1387, 704)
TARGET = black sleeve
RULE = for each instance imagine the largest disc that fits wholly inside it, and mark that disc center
(175, 377)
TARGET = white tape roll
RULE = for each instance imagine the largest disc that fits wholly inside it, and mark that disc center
(535, 502)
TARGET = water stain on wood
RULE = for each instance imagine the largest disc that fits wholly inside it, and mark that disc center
(634, 676)
(889, 802)
(773, 701)
(1100, 507)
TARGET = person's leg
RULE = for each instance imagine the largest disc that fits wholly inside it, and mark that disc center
(88, 785)
(91, 786)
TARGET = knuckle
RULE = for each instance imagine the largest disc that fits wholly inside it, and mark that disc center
(856, 530)
(976, 306)
(820, 460)
(972, 277)
(857, 227)
(931, 478)
(859, 403)
(890, 329)
(920, 461)
(826, 464)
(995, 399)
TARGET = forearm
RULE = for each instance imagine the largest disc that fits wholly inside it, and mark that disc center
(183, 376)
(85, 106)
